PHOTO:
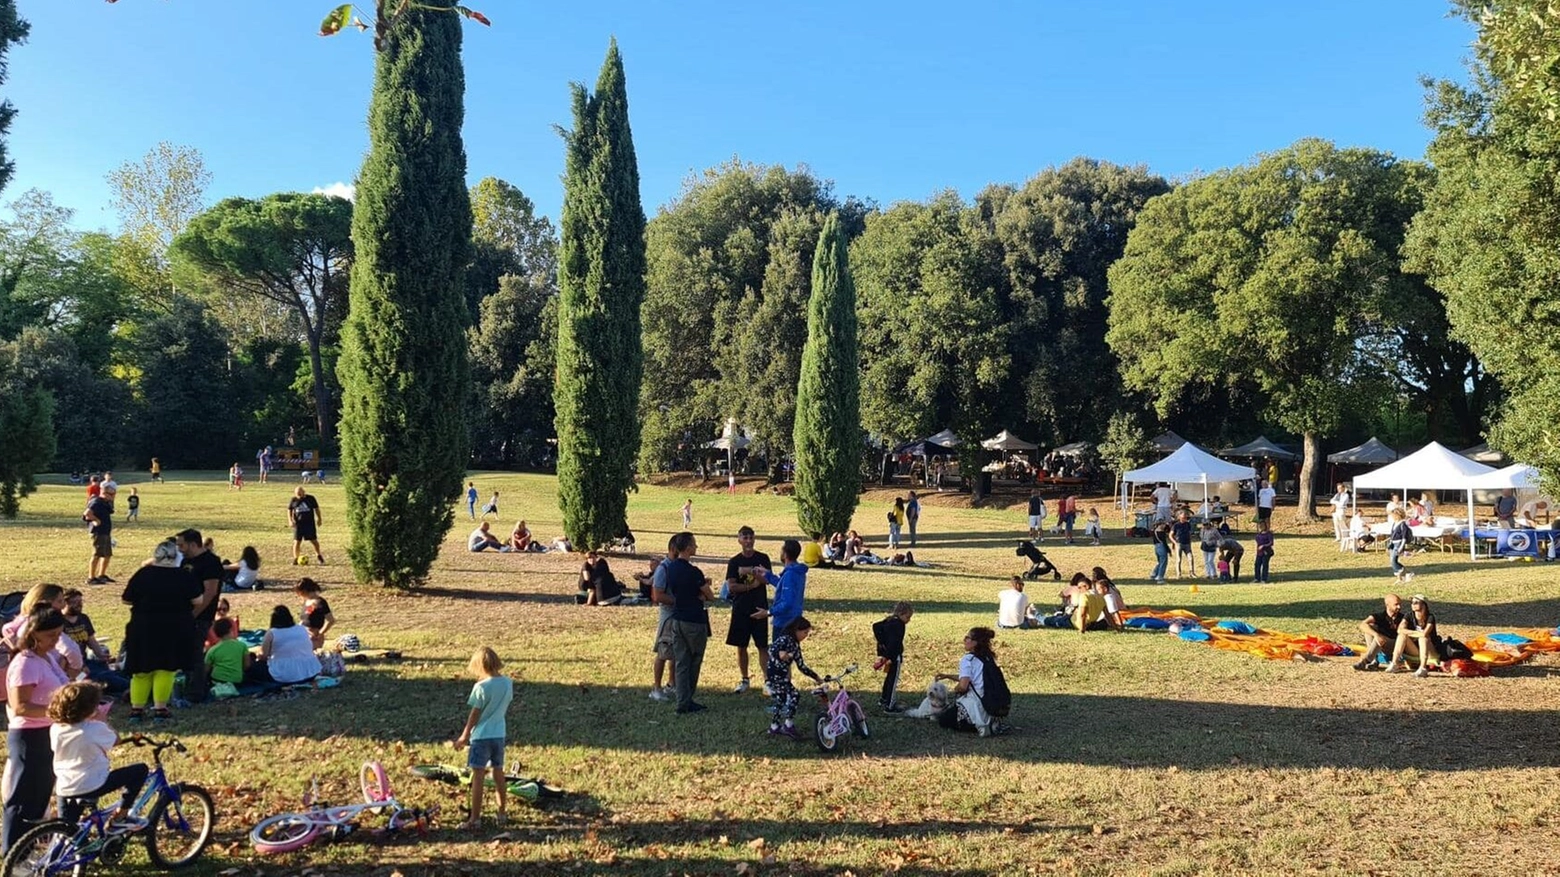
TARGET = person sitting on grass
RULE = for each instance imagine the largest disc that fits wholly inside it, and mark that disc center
(81, 742)
(481, 539)
(1417, 636)
(1014, 611)
(520, 538)
(598, 586)
(968, 711)
(224, 611)
(1113, 602)
(1381, 631)
(1089, 609)
(1077, 586)
(287, 654)
(80, 631)
(815, 554)
(244, 575)
(229, 659)
(836, 550)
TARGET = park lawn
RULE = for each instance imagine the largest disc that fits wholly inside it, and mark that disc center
(1133, 752)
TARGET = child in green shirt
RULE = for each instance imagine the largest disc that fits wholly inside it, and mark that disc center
(228, 659)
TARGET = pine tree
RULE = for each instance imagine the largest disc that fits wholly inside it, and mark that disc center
(403, 363)
(13, 30)
(601, 282)
(828, 396)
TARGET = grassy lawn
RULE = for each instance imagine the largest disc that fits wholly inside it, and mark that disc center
(1135, 753)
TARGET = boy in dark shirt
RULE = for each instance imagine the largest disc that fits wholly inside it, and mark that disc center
(890, 636)
(1381, 630)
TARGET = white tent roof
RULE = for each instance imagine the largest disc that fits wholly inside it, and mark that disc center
(1260, 447)
(1074, 448)
(1434, 466)
(1006, 441)
(1189, 465)
(1518, 475)
(946, 438)
(1483, 454)
(1372, 453)
(725, 443)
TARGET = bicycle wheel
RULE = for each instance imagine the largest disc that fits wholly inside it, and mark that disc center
(43, 850)
(376, 786)
(284, 833)
(826, 739)
(180, 826)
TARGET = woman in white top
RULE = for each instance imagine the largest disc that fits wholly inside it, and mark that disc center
(245, 574)
(970, 711)
(1340, 516)
(287, 650)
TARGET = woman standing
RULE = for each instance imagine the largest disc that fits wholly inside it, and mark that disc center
(1264, 543)
(162, 598)
(1161, 535)
(896, 521)
(30, 682)
(1340, 516)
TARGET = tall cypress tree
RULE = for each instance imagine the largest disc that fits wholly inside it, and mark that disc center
(601, 283)
(403, 362)
(13, 30)
(828, 396)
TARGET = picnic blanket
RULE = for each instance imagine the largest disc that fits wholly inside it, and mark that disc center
(1231, 635)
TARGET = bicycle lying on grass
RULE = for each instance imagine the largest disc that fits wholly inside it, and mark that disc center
(287, 832)
(529, 789)
(841, 713)
(175, 819)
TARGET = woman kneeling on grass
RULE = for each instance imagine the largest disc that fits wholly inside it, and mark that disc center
(979, 677)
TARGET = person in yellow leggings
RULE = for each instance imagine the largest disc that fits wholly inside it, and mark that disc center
(157, 639)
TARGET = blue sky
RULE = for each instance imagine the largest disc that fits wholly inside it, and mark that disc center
(890, 100)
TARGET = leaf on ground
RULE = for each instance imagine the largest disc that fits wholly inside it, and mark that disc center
(756, 843)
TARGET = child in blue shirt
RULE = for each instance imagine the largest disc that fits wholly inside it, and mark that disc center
(485, 731)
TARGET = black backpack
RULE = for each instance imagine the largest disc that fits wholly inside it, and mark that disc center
(998, 699)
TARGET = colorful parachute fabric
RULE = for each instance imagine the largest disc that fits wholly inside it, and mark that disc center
(1505, 649)
(1229, 635)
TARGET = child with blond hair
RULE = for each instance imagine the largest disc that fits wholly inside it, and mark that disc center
(485, 731)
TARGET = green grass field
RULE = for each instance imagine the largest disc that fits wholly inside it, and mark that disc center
(1134, 753)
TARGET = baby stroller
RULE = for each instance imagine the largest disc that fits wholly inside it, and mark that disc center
(1040, 563)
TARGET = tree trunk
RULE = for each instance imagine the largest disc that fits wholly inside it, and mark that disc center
(1306, 510)
(321, 394)
(977, 461)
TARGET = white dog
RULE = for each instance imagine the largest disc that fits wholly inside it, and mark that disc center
(937, 699)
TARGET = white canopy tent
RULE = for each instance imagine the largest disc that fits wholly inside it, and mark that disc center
(1006, 441)
(946, 438)
(1435, 467)
(1188, 465)
(1372, 453)
(1167, 442)
(1260, 447)
(1519, 476)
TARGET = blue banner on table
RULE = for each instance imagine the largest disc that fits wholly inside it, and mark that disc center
(1516, 543)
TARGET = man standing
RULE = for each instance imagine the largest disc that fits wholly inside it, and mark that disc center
(749, 594)
(303, 512)
(264, 459)
(206, 568)
(690, 591)
(913, 515)
(1265, 497)
(1381, 630)
(1036, 515)
(1506, 509)
(1069, 514)
(100, 520)
(1164, 498)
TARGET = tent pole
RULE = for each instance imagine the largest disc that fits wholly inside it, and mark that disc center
(1473, 554)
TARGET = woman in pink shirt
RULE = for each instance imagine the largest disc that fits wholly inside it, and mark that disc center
(30, 682)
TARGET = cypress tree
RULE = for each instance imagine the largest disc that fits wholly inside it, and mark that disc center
(601, 284)
(403, 363)
(827, 437)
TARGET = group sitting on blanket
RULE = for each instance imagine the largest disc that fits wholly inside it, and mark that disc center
(1090, 601)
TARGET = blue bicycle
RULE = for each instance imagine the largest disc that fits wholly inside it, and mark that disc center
(175, 819)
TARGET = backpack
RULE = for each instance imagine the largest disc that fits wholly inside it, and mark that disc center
(998, 699)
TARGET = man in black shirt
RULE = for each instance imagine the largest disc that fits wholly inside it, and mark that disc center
(100, 517)
(748, 595)
(303, 512)
(1381, 630)
(690, 623)
(206, 567)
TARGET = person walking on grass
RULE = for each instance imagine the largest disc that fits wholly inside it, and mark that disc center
(889, 635)
(690, 592)
(100, 519)
(687, 512)
(492, 506)
(303, 513)
(471, 499)
(748, 593)
(913, 515)
(486, 732)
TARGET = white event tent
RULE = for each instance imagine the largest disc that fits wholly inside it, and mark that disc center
(1188, 465)
(1433, 467)
(1006, 441)
(1519, 476)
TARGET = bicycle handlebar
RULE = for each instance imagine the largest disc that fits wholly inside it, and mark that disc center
(157, 745)
(840, 675)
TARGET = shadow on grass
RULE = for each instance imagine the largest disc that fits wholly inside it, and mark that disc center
(1105, 731)
(495, 596)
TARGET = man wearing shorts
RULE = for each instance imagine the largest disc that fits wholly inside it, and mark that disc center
(749, 594)
(1036, 515)
(100, 520)
(303, 512)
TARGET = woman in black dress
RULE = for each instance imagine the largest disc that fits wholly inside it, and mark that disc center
(162, 599)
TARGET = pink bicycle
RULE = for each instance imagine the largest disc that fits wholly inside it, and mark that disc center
(841, 713)
(287, 832)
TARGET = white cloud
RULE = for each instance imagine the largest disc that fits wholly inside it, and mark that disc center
(339, 189)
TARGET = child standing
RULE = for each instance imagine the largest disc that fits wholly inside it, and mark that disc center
(890, 636)
(687, 511)
(1209, 536)
(1091, 526)
(316, 613)
(783, 652)
(134, 503)
(81, 744)
(471, 499)
(156, 470)
(485, 731)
